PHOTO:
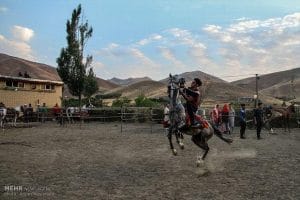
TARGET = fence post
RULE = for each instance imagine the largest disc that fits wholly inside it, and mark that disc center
(151, 118)
(121, 119)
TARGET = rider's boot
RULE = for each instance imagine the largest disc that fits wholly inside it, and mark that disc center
(196, 124)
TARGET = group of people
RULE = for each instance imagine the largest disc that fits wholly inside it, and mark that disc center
(223, 118)
(258, 118)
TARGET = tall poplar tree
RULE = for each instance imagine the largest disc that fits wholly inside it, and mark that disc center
(71, 64)
(91, 85)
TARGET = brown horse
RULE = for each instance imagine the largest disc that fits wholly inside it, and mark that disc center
(286, 113)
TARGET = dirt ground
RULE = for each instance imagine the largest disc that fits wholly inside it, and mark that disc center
(97, 161)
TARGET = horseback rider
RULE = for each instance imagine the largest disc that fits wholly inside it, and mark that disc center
(192, 97)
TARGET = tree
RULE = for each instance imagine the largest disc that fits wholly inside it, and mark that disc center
(91, 85)
(71, 65)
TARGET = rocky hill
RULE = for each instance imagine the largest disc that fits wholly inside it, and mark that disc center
(128, 81)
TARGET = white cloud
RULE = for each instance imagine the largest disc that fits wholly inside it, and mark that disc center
(22, 33)
(152, 38)
(258, 46)
(246, 46)
(169, 55)
(212, 29)
(142, 59)
(16, 48)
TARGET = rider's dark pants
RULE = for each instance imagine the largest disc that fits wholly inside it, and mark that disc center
(258, 129)
(243, 128)
(191, 110)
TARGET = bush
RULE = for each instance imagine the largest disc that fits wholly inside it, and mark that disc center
(120, 102)
(142, 101)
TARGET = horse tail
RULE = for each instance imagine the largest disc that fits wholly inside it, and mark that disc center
(218, 133)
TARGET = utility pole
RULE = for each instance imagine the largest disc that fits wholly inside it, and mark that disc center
(256, 89)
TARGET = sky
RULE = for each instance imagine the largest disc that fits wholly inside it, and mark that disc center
(230, 39)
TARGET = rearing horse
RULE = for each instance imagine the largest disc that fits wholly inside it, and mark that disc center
(177, 117)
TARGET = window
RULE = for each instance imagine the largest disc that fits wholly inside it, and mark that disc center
(49, 87)
(12, 83)
(33, 86)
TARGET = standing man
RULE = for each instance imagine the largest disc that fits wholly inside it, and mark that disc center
(242, 116)
(192, 97)
(258, 119)
(231, 117)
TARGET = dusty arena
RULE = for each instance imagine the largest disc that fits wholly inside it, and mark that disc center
(98, 161)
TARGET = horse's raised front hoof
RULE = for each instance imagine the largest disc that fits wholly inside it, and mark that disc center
(181, 145)
(199, 162)
(174, 152)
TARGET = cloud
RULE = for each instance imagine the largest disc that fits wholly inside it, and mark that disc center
(22, 33)
(18, 45)
(16, 48)
(142, 59)
(246, 46)
(3, 9)
(257, 46)
(152, 38)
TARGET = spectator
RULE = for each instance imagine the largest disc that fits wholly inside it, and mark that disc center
(44, 112)
(215, 116)
(56, 110)
(242, 116)
(231, 117)
(258, 119)
(225, 118)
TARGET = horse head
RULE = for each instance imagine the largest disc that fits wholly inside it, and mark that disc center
(177, 111)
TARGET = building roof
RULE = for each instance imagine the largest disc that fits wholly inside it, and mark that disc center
(13, 66)
(31, 80)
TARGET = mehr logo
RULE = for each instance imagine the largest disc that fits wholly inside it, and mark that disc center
(13, 188)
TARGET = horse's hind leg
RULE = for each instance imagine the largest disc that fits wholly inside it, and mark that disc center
(179, 139)
(206, 151)
(201, 142)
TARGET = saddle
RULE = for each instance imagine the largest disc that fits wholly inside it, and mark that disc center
(199, 118)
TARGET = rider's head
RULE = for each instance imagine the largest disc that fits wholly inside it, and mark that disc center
(198, 82)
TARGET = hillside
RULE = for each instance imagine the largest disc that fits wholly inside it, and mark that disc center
(128, 81)
(213, 90)
(189, 76)
(269, 80)
(284, 89)
(105, 85)
(148, 88)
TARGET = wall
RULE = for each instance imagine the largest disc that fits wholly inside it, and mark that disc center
(13, 97)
